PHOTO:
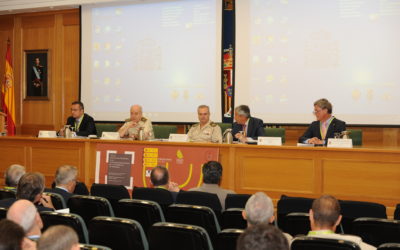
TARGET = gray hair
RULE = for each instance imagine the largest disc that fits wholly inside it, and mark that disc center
(58, 237)
(204, 106)
(13, 174)
(259, 209)
(66, 174)
(324, 104)
(243, 110)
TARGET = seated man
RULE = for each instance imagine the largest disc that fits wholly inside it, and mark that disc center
(159, 178)
(260, 209)
(137, 122)
(245, 125)
(212, 174)
(12, 236)
(262, 237)
(324, 127)
(59, 237)
(325, 217)
(12, 176)
(30, 187)
(25, 214)
(206, 130)
(65, 181)
(80, 122)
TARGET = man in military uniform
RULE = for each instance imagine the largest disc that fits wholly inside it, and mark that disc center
(206, 130)
(137, 122)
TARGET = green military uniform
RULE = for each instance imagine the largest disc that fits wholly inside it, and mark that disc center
(210, 132)
(144, 123)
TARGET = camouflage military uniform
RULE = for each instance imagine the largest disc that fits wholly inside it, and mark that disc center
(211, 132)
(144, 123)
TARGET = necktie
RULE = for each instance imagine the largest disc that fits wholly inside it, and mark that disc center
(244, 130)
(324, 129)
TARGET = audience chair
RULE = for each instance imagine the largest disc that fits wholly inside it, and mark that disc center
(389, 246)
(57, 200)
(7, 194)
(297, 224)
(117, 233)
(233, 218)
(145, 212)
(200, 199)
(287, 205)
(377, 231)
(90, 206)
(352, 210)
(356, 136)
(165, 235)
(276, 132)
(113, 193)
(92, 247)
(161, 196)
(315, 243)
(163, 131)
(397, 212)
(3, 213)
(195, 215)
(72, 220)
(226, 239)
(236, 200)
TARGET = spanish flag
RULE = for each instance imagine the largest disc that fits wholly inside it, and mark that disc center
(7, 93)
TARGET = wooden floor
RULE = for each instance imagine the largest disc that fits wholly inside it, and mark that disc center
(364, 174)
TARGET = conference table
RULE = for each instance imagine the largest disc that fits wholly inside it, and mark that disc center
(364, 174)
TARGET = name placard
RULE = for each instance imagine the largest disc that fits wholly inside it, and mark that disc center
(47, 134)
(110, 136)
(269, 141)
(178, 138)
(340, 143)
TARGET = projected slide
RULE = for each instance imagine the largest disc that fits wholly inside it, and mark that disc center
(164, 55)
(290, 53)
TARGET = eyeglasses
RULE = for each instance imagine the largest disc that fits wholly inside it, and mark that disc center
(316, 111)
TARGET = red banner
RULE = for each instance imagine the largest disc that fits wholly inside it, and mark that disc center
(184, 163)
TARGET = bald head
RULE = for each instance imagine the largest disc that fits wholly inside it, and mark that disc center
(325, 212)
(25, 214)
(136, 112)
(159, 176)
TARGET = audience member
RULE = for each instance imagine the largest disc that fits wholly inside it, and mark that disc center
(212, 174)
(59, 237)
(12, 176)
(159, 178)
(65, 180)
(259, 209)
(25, 214)
(325, 217)
(12, 236)
(30, 187)
(262, 237)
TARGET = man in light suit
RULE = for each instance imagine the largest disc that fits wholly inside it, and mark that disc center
(324, 127)
(245, 125)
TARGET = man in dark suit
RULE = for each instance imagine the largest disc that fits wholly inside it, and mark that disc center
(245, 125)
(324, 127)
(65, 181)
(159, 178)
(30, 187)
(81, 123)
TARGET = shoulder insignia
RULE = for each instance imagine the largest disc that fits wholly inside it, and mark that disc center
(144, 119)
(212, 124)
(196, 125)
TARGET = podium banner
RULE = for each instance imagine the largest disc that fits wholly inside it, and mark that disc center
(183, 163)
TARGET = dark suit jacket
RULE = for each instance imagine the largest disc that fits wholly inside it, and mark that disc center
(336, 126)
(8, 202)
(254, 130)
(87, 126)
(66, 195)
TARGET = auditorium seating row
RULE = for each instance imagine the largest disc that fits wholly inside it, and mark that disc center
(292, 215)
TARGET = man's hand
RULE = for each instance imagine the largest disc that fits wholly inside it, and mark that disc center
(45, 200)
(315, 140)
(61, 132)
(173, 186)
(240, 137)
